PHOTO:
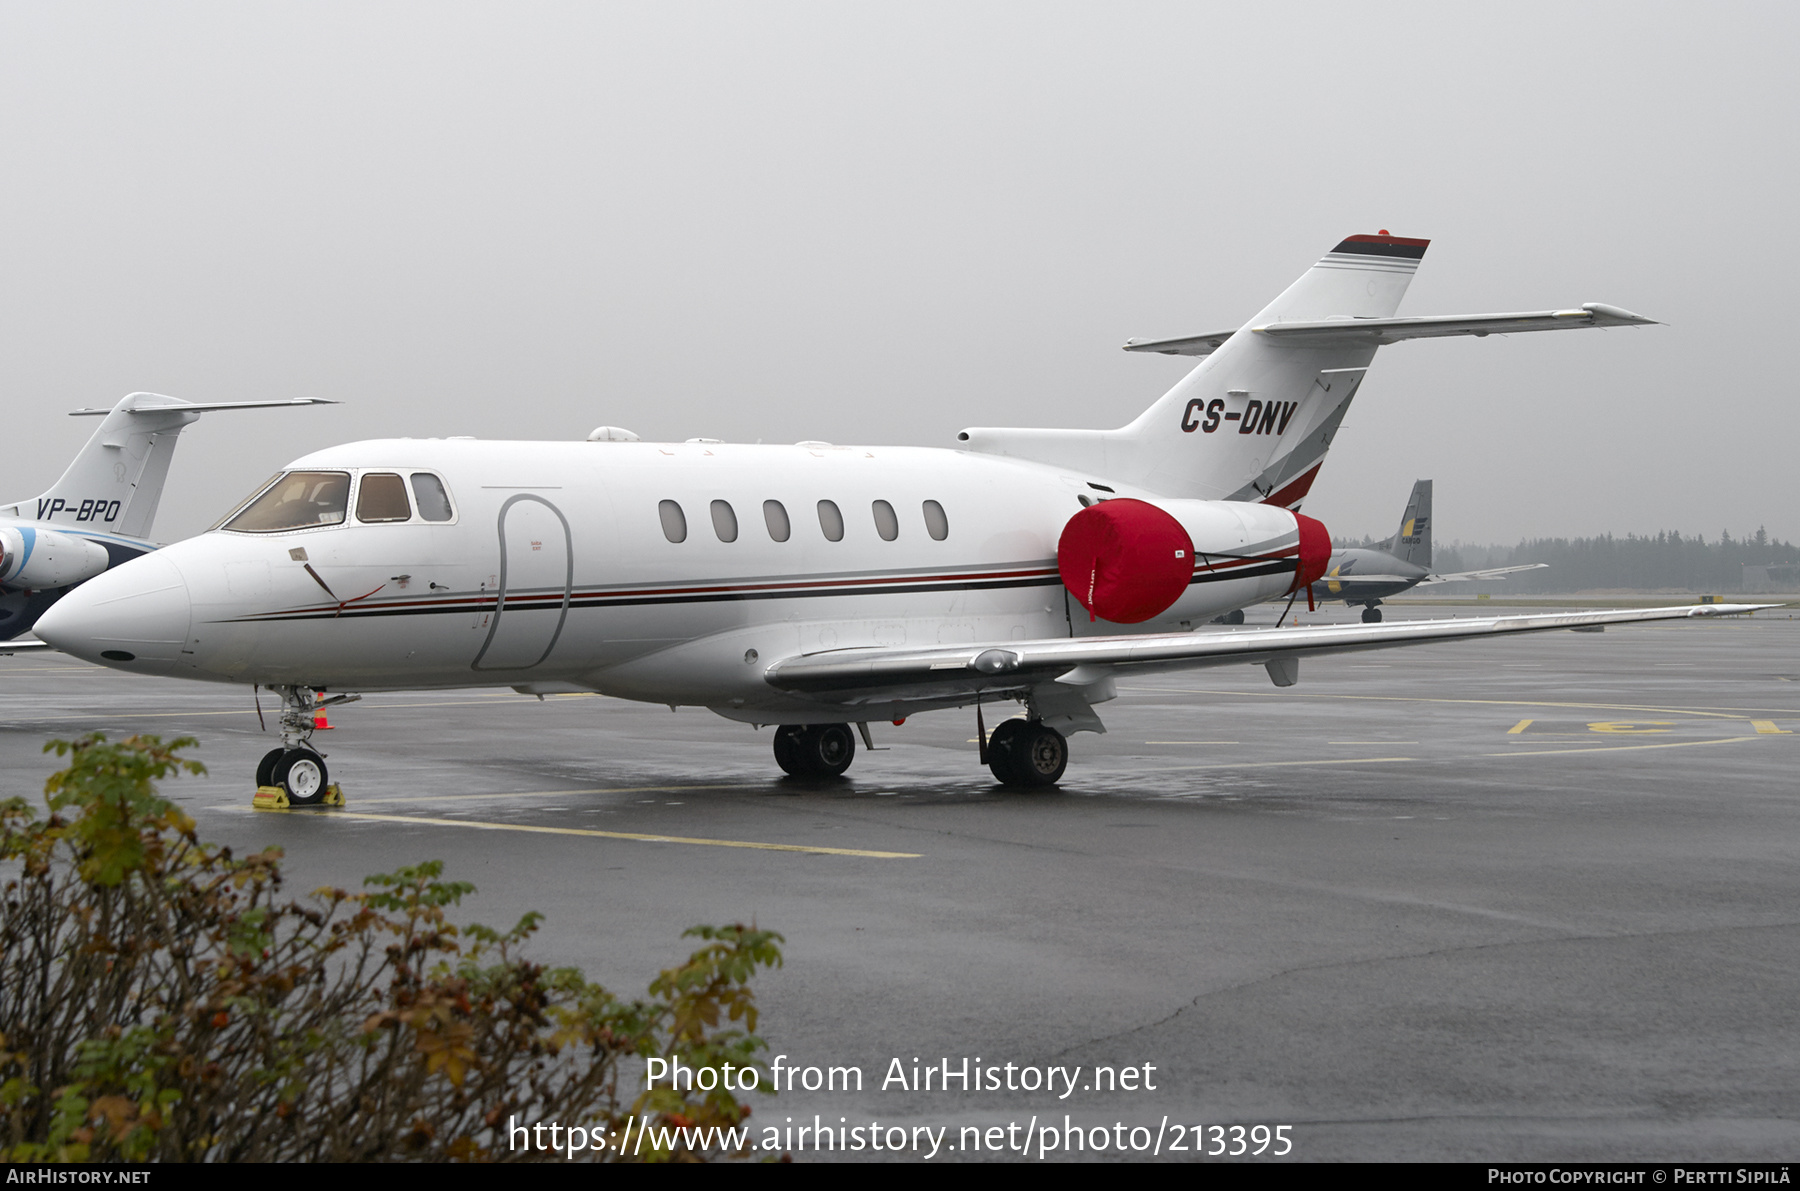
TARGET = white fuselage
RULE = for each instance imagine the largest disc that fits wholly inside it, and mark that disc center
(555, 572)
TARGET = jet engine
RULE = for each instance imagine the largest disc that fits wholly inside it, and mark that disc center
(35, 559)
(1128, 561)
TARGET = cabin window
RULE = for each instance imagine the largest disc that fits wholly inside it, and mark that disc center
(430, 496)
(296, 500)
(776, 518)
(831, 521)
(936, 523)
(674, 521)
(382, 497)
(887, 524)
(724, 520)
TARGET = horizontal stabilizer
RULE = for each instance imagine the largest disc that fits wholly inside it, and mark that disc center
(1374, 332)
(1192, 345)
(191, 407)
(1490, 573)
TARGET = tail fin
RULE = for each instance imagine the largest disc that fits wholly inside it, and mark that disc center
(116, 480)
(1254, 420)
(1413, 542)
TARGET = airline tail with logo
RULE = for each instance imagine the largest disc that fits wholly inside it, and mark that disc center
(1412, 542)
(1254, 420)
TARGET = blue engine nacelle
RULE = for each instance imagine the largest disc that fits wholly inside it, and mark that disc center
(35, 559)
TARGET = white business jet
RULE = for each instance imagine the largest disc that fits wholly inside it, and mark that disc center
(99, 513)
(812, 586)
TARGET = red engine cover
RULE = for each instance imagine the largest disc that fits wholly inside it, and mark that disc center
(1315, 551)
(1126, 560)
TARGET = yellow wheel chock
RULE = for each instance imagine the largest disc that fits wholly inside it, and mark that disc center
(275, 798)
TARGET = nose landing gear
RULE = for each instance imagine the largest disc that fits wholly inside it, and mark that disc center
(297, 769)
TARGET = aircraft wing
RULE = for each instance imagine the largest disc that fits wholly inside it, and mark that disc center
(1491, 573)
(29, 645)
(1377, 331)
(884, 673)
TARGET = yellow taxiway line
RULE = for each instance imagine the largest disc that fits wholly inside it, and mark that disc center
(627, 835)
(1623, 748)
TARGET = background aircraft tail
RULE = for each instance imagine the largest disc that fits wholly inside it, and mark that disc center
(1413, 541)
(1254, 420)
(116, 480)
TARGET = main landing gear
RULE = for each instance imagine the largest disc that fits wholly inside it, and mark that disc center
(815, 750)
(296, 766)
(1371, 615)
(1022, 753)
(1027, 753)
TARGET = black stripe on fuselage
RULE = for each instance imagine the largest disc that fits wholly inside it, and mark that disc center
(1285, 566)
(1216, 573)
(554, 600)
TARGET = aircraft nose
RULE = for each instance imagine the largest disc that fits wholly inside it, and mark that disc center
(133, 617)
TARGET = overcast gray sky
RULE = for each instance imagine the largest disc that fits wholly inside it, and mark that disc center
(883, 222)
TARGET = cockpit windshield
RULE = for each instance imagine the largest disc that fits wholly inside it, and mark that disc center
(297, 500)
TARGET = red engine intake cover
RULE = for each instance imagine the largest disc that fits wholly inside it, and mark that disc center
(1315, 551)
(1126, 560)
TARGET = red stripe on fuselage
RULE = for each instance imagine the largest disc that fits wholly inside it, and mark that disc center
(1294, 491)
(798, 586)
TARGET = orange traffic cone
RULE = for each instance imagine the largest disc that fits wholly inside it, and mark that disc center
(320, 724)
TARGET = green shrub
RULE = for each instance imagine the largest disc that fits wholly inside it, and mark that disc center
(159, 1000)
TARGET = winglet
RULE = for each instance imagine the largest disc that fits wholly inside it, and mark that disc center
(1605, 315)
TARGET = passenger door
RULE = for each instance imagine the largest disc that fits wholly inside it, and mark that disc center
(537, 571)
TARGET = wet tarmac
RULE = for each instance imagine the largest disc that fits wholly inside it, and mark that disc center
(1534, 899)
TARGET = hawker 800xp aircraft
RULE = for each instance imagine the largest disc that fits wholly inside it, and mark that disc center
(809, 587)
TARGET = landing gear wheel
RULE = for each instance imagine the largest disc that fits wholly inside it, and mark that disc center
(814, 750)
(1022, 753)
(1235, 616)
(301, 772)
(787, 749)
(1371, 615)
(265, 768)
